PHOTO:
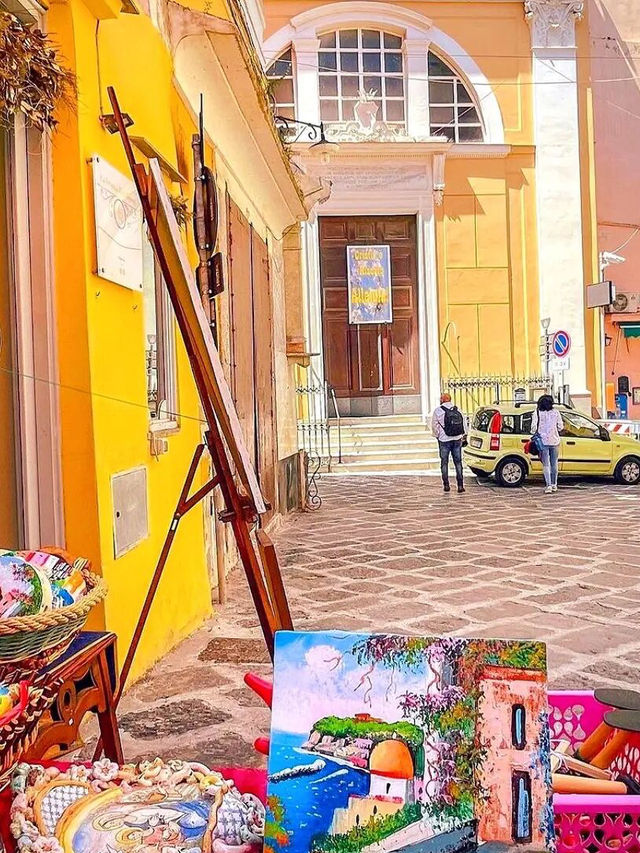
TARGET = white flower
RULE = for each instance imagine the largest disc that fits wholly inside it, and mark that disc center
(105, 770)
(79, 773)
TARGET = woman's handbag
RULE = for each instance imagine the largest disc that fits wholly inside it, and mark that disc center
(535, 444)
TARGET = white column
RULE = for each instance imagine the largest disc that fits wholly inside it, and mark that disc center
(559, 210)
(429, 340)
(307, 91)
(416, 95)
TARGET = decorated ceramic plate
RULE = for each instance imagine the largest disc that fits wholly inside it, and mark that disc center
(24, 589)
(67, 581)
(153, 807)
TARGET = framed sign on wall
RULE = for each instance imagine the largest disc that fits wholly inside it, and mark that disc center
(118, 215)
(369, 279)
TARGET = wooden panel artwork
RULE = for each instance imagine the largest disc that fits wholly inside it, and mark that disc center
(370, 360)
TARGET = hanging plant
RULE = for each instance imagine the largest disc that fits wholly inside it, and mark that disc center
(32, 80)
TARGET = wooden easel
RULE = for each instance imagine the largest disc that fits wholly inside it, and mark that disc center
(223, 436)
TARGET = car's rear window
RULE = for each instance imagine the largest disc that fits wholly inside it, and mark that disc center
(482, 419)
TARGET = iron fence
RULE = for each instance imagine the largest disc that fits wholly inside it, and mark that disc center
(472, 392)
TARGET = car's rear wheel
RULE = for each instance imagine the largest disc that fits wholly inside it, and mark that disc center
(478, 472)
(511, 473)
(627, 471)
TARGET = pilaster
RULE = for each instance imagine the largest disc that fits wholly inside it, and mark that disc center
(415, 65)
(558, 189)
(307, 84)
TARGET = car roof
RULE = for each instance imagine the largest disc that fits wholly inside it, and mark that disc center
(511, 408)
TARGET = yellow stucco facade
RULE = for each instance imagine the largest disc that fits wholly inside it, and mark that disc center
(155, 56)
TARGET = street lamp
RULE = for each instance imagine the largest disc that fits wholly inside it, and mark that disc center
(607, 259)
(292, 130)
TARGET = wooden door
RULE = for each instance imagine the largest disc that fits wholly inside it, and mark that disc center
(264, 385)
(370, 360)
(241, 319)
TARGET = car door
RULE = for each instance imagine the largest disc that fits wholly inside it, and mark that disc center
(526, 430)
(582, 448)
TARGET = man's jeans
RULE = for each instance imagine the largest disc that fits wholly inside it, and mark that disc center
(549, 458)
(455, 449)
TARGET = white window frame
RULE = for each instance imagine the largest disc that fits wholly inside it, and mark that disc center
(361, 74)
(283, 108)
(166, 418)
(456, 79)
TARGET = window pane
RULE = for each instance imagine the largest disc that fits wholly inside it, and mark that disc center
(371, 61)
(349, 62)
(281, 67)
(392, 41)
(442, 131)
(350, 86)
(283, 91)
(347, 110)
(393, 62)
(394, 87)
(328, 84)
(287, 112)
(395, 110)
(441, 93)
(373, 83)
(327, 61)
(468, 115)
(469, 133)
(329, 110)
(348, 38)
(370, 39)
(463, 96)
(441, 115)
(437, 67)
(328, 40)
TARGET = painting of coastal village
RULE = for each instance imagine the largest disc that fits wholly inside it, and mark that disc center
(383, 742)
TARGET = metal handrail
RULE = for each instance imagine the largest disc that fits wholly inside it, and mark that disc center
(338, 418)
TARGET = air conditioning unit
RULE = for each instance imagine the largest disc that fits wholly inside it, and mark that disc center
(626, 303)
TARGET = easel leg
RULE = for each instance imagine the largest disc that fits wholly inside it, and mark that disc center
(109, 732)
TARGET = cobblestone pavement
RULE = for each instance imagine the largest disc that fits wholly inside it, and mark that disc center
(395, 554)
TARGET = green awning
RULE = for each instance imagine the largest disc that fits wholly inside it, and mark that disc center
(630, 330)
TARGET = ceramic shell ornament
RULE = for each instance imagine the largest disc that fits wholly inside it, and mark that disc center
(152, 807)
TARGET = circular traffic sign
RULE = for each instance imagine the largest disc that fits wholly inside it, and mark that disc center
(561, 344)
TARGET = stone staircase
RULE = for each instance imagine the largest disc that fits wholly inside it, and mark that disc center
(395, 444)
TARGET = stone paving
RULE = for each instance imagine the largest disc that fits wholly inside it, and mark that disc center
(396, 554)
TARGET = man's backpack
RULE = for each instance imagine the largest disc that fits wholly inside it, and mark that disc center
(453, 421)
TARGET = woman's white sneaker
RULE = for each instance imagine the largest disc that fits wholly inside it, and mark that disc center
(548, 490)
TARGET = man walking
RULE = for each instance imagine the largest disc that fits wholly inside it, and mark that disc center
(447, 425)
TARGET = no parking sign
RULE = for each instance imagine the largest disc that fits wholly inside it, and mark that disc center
(561, 344)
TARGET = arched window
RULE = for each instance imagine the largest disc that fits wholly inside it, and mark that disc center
(452, 111)
(519, 726)
(361, 64)
(280, 73)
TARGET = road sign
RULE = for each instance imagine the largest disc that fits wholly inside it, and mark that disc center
(557, 365)
(561, 344)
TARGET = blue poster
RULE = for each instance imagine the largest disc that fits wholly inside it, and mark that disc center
(369, 276)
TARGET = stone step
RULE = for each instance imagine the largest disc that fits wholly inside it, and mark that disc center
(389, 423)
(384, 466)
(380, 454)
(392, 440)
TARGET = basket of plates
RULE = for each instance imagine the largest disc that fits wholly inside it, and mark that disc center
(45, 599)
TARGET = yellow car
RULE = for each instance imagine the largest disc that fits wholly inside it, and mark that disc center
(498, 435)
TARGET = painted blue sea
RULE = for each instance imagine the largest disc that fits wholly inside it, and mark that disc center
(309, 800)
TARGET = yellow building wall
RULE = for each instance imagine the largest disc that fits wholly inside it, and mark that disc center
(487, 271)
(105, 419)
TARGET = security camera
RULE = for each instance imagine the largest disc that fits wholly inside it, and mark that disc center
(609, 258)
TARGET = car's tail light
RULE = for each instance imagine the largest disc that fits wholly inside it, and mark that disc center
(494, 443)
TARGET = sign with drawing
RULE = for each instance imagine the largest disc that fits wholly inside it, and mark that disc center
(118, 216)
(369, 278)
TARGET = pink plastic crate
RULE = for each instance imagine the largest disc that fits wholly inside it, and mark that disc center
(590, 824)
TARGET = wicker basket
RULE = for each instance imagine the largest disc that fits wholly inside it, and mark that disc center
(29, 643)
(19, 735)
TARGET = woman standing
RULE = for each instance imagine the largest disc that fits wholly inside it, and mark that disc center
(547, 422)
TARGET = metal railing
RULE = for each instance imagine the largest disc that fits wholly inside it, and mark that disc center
(316, 398)
(472, 392)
